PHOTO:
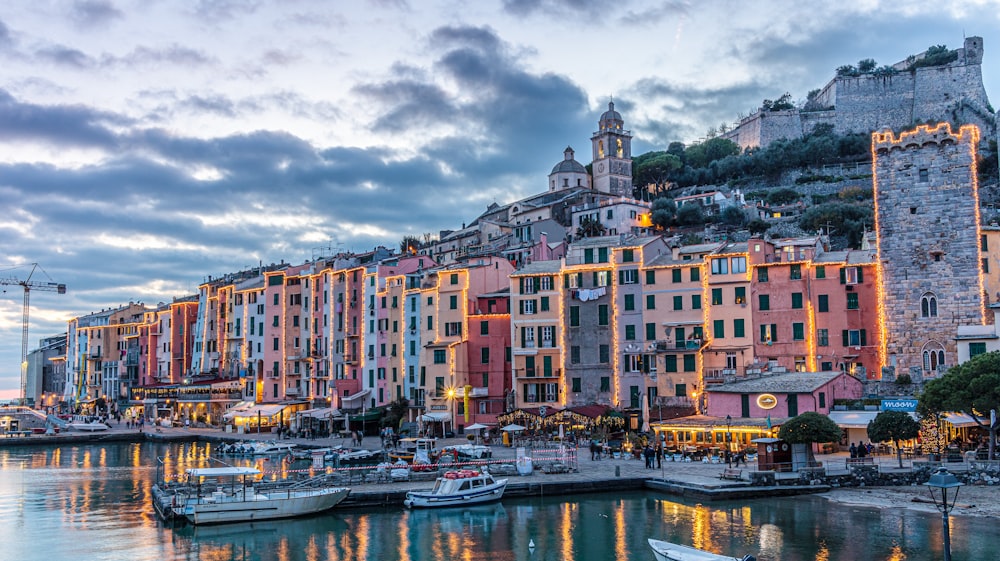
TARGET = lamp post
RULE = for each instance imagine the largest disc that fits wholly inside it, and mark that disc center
(938, 484)
(729, 440)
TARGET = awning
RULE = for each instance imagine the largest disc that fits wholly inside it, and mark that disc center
(371, 415)
(359, 395)
(322, 413)
(263, 411)
(960, 420)
(436, 417)
(856, 419)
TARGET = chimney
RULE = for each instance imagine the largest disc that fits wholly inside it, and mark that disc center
(675, 252)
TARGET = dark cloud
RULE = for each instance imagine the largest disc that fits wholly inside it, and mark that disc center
(61, 125)
(225, 10)
(172, 54)
(94, 13)
(529, 7)
(5, 40)
(65, 56)
(656, 13)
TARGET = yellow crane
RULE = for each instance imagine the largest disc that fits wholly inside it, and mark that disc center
(28, 285)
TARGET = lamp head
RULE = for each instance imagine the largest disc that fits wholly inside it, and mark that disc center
(938, 484)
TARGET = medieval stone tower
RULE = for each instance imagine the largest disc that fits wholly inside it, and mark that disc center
(612, 162)
(927, 222)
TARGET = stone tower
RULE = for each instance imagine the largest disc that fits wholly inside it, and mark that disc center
(927, 222)
(612, 154)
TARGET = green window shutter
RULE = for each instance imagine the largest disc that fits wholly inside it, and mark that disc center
(861, 275)
(738, 329)
(670, 363)
(537, 281)
(847, 338)
(864, 338)
(521, 283)
(650, 331)
(719, 329)
(547, 366)
(824, 303)
(675, 275)
(651, 276)
(695, 274)
(574, 316)
(690, 364)
(545, 304)
(774, 332)
(565, 281)
(629, 302)
(521, 306)
(621, 276)
(696, 301)
(678, 302)
(796, 300)
(650, 301)
(602, 255)
(629, 332)
(764, 302)
(798, 332)
(595, 278)
(843, 276)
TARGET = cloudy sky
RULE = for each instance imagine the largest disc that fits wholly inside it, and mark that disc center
(147, 144)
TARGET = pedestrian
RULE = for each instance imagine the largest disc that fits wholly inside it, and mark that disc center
(659, 456)
(354, 438)
(853, 450)
(361, 438)
(593, 450)
(862, 450)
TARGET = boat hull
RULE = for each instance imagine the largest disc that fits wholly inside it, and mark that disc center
(88, 427)
(666, 551)
(278, 504)
(426, 499)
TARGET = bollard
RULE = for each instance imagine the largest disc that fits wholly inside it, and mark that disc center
(618, 471)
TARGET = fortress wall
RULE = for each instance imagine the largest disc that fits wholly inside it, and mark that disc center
(813, 118)
(868, 103)
(952, 92)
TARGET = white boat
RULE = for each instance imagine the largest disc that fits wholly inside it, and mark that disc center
(666, 551)
(271, 447)
(92, 426)
(457, 488)
(232, 494)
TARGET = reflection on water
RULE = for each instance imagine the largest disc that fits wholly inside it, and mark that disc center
(92, 502)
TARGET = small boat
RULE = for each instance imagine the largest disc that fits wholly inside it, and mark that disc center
(232, 494)
(92, 426)
(271, 447)
(457, 488)
(421, 450)
(354, 457)
(666, 551)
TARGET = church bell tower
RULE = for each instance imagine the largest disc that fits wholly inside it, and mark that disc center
(612, 154)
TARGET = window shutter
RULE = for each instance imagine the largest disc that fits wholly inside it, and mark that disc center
(579, 280)
(774, 333)
(864, 338)
(538, 283)
(621, 276)
(595, 278)
(566, 281)
(521, 280)
(521, 306)
(846, 336)
(861, 275)
(523, 330)
(843, 276)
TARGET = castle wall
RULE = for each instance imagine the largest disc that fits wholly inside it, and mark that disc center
(869, 103)
(927, 222)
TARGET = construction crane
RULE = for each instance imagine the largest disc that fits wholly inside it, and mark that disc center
(28, 285)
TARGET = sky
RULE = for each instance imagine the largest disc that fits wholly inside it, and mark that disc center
(146, 145)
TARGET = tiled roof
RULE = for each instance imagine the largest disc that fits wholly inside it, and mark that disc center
(792, 382)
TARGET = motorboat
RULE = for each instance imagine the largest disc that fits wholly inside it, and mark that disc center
(415, 450)
(354, 456)
(457, 488)
(234, 494)
(92, 426)
(257, 448)
(666, 551)
(467, 451)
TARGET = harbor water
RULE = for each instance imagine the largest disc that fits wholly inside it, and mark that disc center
(92, 502)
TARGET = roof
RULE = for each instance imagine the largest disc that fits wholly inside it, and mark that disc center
(611, 114)
(707, 422)
(569, 164)
(538, 268)
(792, 382)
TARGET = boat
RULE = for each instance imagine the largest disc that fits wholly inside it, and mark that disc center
(233, 494)
(271, 447)
(354, 457)
(666, 551)
(467, 452)
(457, 488)
(419, 450)
(92, 426)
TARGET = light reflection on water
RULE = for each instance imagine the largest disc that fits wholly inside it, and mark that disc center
(92, 503)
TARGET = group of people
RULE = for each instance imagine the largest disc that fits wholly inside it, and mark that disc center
(861, 450)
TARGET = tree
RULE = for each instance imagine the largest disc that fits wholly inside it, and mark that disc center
(810, 428)
(758, 226)
(782, 196)
(590, 228)
(395, 412)
(894, 426)
(690, 215)
(972, 387)
(664, 212)
(655, 168)
(733, 216)
(409, 245)
(866, 65)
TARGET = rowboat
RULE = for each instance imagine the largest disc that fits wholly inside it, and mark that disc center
(666, 551)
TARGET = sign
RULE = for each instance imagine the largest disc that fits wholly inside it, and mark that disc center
(542, 411)
(766, 401)
(899, 405)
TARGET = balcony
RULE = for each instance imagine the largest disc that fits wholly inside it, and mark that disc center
(537, 373)
(293, 392)
(720, 375)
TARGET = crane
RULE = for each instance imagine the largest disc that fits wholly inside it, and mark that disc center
(28, 285)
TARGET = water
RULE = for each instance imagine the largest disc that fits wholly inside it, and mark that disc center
(92, 503)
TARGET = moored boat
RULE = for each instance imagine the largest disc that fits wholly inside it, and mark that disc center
(233, 494)
(666, 551)
(456, 488)
(92, 426)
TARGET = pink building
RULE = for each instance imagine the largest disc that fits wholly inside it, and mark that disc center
(488, 358)
(781, 396)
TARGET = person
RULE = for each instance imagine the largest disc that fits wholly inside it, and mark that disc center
(659, 456)
(853, 450)
(354, 438)
(862, 451)
(593, 450)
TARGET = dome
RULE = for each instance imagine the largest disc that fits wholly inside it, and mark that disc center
(568, 165)
(611, 114)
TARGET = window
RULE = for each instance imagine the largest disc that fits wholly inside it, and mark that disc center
(453, 302)
(822, 337)
(983, 245)
(738, 265)
(650, 301)
(544, 303)
(768, 333)
(588, 255)
(798, 331)
(716, 296)
(577, 385)
(675, 275)
(484, 328)
(546, 283)
(453, 329)
(650, 277)
(763, 302)
(574, 354)
(628, 276)
(670, 363)
(851, 275)
(923, 176)
(605, 383)
(796, 300)
(738, 328)
(629, 302)
(795, 273)
(854, 338)
(824, 303)
(602, 278)
(696, 301)
(852, 300)
(627, 256)
(604, 354)
(528, 337)
(650, 331)
(720, 266)
(821, 271)
(602, 314)
(719, 328)
(430, 322)
(976, 349)
(761, 274)
(574, 316)
(741, 295)
(602, 255)
(695, 274)
(678, 302)
(934, 360)
(440, 356)
(680, 390)
(800, 364)
(928, 306)
(630, 333)
(527, 307)
(690, 363)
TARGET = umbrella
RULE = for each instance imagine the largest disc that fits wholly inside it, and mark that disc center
(512, 428)
(476, 426)
(645, 414)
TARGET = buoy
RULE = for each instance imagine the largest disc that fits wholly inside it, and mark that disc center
(531, 544)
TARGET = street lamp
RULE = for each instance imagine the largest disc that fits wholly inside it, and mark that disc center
(729, 440)
(942, 480)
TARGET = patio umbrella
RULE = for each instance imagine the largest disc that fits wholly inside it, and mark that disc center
(512, 428)
(476, 426)
(645, 415)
